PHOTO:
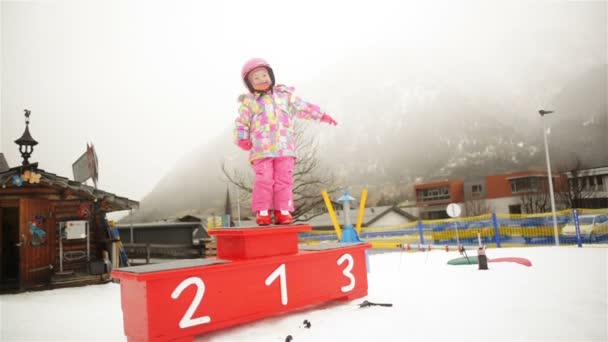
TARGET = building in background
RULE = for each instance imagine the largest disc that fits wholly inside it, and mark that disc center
(522, 192)
(588, 188)
(433, 198)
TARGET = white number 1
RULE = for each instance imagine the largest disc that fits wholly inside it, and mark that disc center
(279, 272)
(347, 272)
(187, 321)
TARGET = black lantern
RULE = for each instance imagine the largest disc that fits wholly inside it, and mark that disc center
(26, 142)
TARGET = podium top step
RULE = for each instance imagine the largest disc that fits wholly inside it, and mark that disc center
(266, 230)
(330, 245)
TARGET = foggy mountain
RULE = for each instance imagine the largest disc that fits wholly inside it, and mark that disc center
(420, 126)
(582, 129)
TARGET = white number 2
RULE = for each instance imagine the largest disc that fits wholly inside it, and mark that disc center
(279, 272)
(187, 321)
(347, 272)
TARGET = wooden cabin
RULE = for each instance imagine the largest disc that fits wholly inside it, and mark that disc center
(31, 219)
(53, 231)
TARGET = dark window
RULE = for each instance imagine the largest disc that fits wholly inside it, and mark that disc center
(515, 209)
(436, 215)
(530, 184)
(433, 194)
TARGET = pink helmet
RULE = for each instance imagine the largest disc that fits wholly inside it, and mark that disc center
(253, 64)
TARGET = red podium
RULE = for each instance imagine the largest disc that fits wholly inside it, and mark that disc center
(259, 272)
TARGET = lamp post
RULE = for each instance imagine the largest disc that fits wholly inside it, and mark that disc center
(26, 142)
(346, 199)
(348, 232)
(555, 232)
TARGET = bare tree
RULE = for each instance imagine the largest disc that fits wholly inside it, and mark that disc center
(309, 178)
(476, 207)
(577, 186)
(535, 198)
(534, 202)
(384, 200)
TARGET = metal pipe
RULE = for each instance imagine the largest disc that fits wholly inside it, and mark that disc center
(555, 232)
(61, 247)
(238, 206)
(88, 229)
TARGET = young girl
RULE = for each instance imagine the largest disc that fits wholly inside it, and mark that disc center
(265, 127)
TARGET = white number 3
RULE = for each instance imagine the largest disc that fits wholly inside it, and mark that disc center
(347, 272)
(187, 321)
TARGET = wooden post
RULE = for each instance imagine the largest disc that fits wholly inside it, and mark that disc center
(332, 215)
(361, 210)
(147, 253)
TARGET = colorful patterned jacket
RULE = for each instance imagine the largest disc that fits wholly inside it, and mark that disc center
(268, 121)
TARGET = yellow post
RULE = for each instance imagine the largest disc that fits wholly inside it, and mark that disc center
(332, 214)
(361, 210)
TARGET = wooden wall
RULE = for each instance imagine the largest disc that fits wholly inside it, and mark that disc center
(67, 210)
(35, 260)
(39, 262)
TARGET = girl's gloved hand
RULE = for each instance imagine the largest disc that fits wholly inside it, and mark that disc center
(245, 144)
(328, 120)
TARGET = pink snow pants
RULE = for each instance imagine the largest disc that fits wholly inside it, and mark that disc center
(273, 184)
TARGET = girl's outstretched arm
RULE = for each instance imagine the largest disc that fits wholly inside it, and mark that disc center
(298, 107)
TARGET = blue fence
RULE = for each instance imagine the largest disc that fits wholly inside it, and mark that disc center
(568, 227)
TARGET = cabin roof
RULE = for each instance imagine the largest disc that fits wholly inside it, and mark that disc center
(115, 202)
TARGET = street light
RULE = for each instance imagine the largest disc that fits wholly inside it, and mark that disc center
(26, 142)
(542, 114)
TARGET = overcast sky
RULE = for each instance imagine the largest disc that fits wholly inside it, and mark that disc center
(148, 81)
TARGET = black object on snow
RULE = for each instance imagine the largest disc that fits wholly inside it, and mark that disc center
(463, 251)
(483, 259)
(289, 338)
(367, 303)
(307, 324)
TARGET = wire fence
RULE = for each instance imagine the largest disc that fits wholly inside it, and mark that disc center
(569, 227)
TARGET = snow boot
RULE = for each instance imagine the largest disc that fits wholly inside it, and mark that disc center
(282, 217)
(262, 218)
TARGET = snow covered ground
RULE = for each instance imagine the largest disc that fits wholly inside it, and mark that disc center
(563, 296)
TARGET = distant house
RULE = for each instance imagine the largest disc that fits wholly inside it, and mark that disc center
(372, 217)
(201, 233)
(3, 163)
(164, 239)
(192, 218)
(591, 185)
(513, 193)
(161, 232)
(432, 198)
